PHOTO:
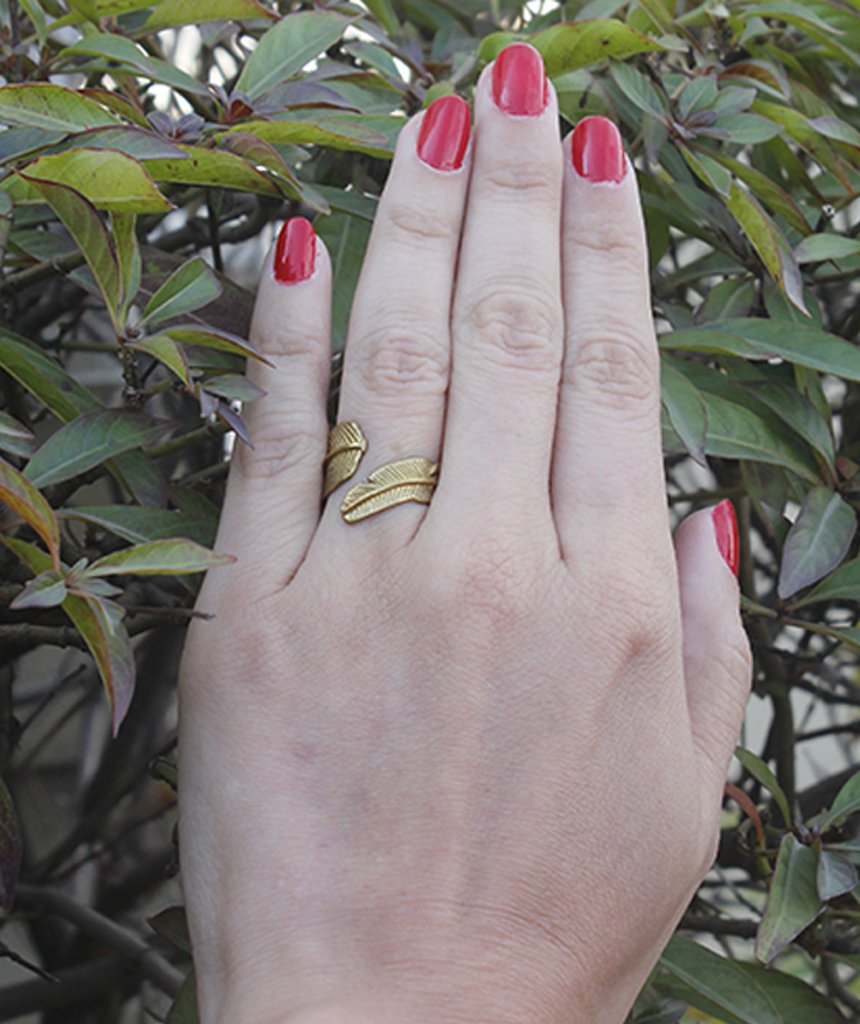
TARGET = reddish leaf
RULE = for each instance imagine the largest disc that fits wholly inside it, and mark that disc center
(24, 499)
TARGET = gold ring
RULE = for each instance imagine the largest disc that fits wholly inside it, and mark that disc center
(393, 484)
(345, 450)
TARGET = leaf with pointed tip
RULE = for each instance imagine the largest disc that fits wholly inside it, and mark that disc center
(817, 542)
(159, 558)
(89, 440)
(140, 525)
(841, 585)
(21, 495)
(222, 341)
(132, 140)
(51, 108)
(793, 902)
(15, 437)
(184, 1008)
(128, 255)
(336, 131)
(685, 409)
(836, 875)
(233, 386)
(762, 774)
(234, 421)
(171, 924)
(43, 591)
(215, 167)
(191, 286)
(847, 802)
(828, 246)
(286, 47)
(108, 179)
(99, 623)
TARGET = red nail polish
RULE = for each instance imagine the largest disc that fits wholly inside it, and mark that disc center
(597, 150)
(295, 253)
(726, 529)
(519, 81)
(444, 133)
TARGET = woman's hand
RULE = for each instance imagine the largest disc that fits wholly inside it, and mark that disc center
(460, 763)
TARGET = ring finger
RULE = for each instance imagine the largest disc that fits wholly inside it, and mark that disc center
(395, 374)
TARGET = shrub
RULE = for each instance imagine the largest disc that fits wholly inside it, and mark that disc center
(150, 147)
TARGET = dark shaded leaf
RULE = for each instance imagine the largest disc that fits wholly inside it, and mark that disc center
(184, 1008)
(140, 525)
(171, 924)
(15, 437)
(847, 802)
(685, 409)
(88, 441)
(817, 542)
(24, 499)
(233, 386)
(159, 558)
(168, 352)
(793, 902)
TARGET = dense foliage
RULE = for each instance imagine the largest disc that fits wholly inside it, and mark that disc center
(149, 148)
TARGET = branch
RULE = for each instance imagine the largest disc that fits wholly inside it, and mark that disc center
(151, 964)
(25, 634)
(73, 986)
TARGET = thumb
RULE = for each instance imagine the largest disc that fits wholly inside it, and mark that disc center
(717, 659)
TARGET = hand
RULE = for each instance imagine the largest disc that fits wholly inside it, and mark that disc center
(464, 762)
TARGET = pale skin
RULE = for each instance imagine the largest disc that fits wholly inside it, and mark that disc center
(459, 763)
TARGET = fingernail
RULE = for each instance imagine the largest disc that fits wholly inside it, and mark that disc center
(444, 133)
(597, 150)
(295, 253)
(726, 530)
(519, 81)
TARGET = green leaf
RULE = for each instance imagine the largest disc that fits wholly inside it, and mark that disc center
(117, 49)
(128, 255)
(159, 558)
(793, 902)
(214, 167)
(836, 129)
(796, 1001)
(744, 129)
(759, 338)
(259, 153)
(43, 591)
(847, 802)
(711, 981)
(24, 499)
(578, 44)
(335, 131)
(14, 436)
(93, 239)
(836, 875)
(223, 341)
(174, 13)
(685, 409)
(51, 108)
(737, 432)
(233, 386)
(286, 47)
(769, 192)
(638, 89)
(817, 542)
(168, 352)
(106, 178)
(191, 286)
(807, 137)
(762, 774)
(842, 585)
(88, 441)
(346, 237)
(816, 248)
(171, 924)
(11, 849)
(184, 1008)
(383, 11)
(141, 525)
(99, 622)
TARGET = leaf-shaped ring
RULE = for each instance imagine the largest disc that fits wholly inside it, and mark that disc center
(345, 450)
(393, 484)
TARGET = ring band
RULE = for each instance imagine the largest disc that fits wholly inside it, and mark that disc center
(344, 451)
(395, 483)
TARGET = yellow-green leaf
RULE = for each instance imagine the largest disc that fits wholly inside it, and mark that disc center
(21, 495)
(51, 108)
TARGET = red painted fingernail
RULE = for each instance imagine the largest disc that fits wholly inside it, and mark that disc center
(597, 150)
(726, 529)
(519, 81)
(444, 133)
(295, 253)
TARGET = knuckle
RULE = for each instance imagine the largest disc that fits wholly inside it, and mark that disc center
(520, 180)
(407, 222)
(402, 354)
(637, 615)
(520, 326)
(288, 339)
(279, 447)
(618, 364)
(622, 252)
